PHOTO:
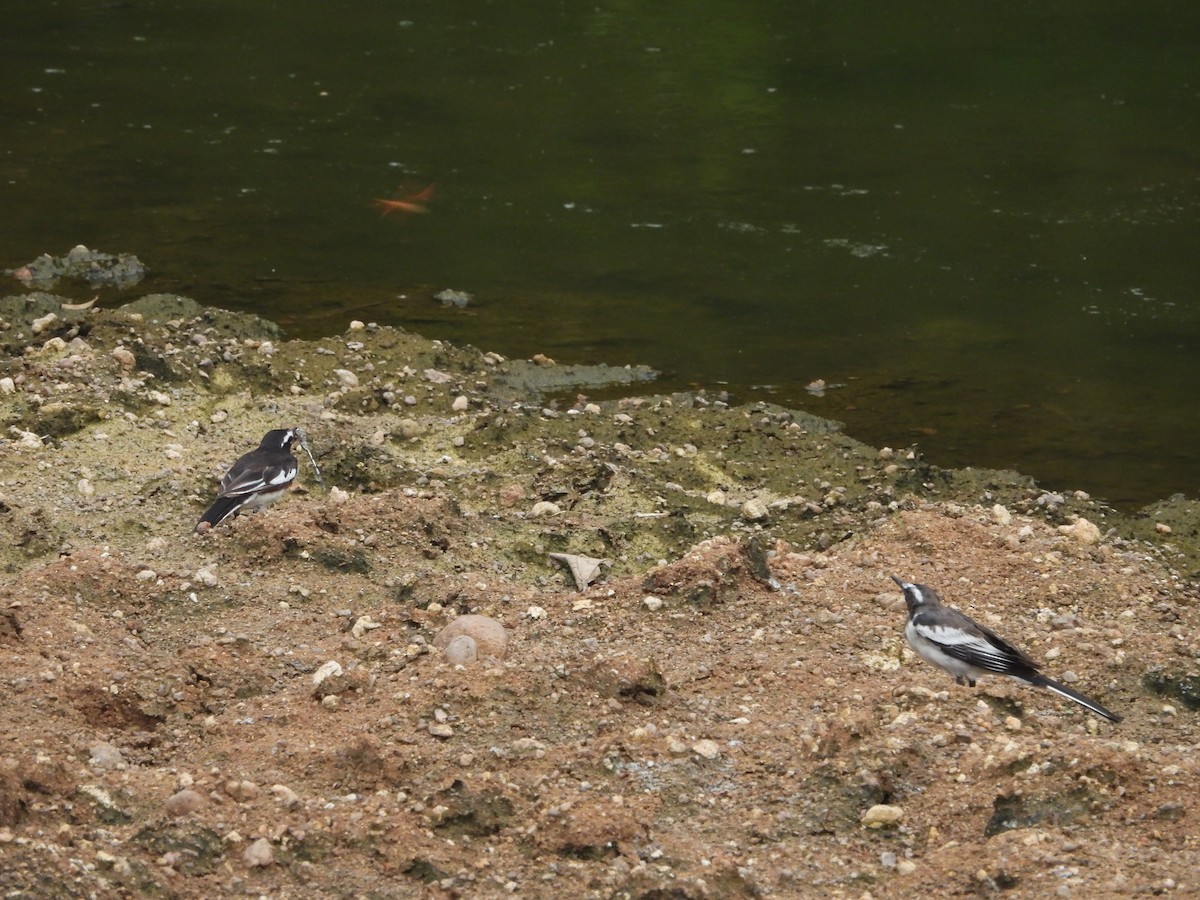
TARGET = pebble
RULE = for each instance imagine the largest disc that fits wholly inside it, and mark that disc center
(706, 748)
(7, 386)
(241, 791)
(105, 756)
(1000, 515)
(337, 496)
(460, 404)
(85, 487)
(356, 325)
(41, 324)
(716, 497)
(259, 854)
(362, 625)
(347, 378)
(652, 603)
(545, 508)
(159, 397)
(125, 358)
(146, 575)
(441, 730)
(1081, 531)
(183, 803)
(1162, 527)
(327, 670)
(205, 577)
(489, 636)
(882, 815)
(754, 509)
(285, 795)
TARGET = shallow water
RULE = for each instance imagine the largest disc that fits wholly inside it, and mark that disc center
(978, 222)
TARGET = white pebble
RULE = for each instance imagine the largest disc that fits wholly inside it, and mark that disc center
(1000, 515)
(40, 325)
(545, 508)
(205, 576)
(882, 815)
(460, 403)
(356, 325)
(7, 386)
(754, 509)
(706, 748)
(146, 575)
(347, 378)
(259, 854)
(652, 603)
(327, 670)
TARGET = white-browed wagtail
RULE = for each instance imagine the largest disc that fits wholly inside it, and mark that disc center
(967, 650)
(258, 478)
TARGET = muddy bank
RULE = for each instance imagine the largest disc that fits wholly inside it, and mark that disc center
(716, 715)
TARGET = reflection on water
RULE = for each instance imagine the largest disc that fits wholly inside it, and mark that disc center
(980, 221)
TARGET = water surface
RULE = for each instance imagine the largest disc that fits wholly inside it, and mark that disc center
(978, 222)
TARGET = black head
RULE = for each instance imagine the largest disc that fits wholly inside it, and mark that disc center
(917, 595)
(279, 439)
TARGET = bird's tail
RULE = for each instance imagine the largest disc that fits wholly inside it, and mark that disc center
(220, 511)
(1063, 691)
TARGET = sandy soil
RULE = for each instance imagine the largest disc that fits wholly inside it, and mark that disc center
(728, 711)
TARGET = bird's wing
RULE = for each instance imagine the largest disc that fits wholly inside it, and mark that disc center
(964, 639)
(251, 480)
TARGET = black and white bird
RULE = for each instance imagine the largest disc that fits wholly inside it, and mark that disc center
(967, 650)
(257, 479)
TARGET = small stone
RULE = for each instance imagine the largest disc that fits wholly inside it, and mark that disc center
(535, 612)
(183, 803)
(491, 640)
(906, 867)
(125, 358)
(285, 795)
(1000, 515)
(1081, 531)
(706, 748)
(346, 378)
(652, 603)
(717, 498)
(356, 325)
(337, 496)
(754, 509)
(1162, 527)
(159, 397)
(46, 321)
(85, 488)
(460, 404)
(327, 670)
(105, 756)
(241, 791)
(1012, 723)
(441, 730)
(7, 386)
(259, 854)
(146, 575)
(205, 577)
(362, 625)
(544, 508)
(882, 816)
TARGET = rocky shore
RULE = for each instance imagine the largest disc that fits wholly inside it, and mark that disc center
(723, 708)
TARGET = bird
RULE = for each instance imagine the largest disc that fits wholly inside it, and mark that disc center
(256, 479)
(967, 650)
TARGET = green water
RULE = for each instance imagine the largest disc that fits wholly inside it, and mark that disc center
(979, 219)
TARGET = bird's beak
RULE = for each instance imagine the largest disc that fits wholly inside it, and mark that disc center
(903, 584)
